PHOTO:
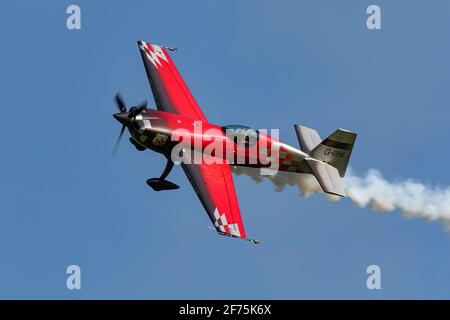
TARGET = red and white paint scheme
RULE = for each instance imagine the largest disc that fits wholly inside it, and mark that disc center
(179, 130)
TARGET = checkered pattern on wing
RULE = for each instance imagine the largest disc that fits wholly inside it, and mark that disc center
(221, 223)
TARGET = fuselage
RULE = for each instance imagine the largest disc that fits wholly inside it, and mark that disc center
(172, 134)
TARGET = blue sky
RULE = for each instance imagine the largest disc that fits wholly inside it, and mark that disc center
(266, 64)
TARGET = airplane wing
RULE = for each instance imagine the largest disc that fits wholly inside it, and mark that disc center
(214, 186)
(169, 89)
(213, 183)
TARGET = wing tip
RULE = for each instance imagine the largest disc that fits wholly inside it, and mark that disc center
(254, 241)
(341, 194)
(141, 42)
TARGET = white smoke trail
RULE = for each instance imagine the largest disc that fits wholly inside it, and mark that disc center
(412, 198)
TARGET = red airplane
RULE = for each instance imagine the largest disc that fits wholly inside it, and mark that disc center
(180, 131)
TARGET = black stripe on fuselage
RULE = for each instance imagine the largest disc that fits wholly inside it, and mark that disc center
(336, 144)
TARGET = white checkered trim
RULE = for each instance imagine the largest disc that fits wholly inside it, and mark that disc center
(221, 221)
(154, 55)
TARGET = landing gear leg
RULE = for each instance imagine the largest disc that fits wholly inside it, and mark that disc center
(161, 183)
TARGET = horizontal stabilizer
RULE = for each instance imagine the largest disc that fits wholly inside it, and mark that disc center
(308, 138)
(327, 176)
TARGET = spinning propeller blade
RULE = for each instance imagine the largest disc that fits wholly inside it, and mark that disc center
(134, 111)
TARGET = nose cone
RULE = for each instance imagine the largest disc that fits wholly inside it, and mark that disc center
(123, 118)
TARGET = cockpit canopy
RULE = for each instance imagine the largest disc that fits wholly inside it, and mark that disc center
(243, 136)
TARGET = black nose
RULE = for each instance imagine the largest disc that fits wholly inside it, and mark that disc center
(123, 118)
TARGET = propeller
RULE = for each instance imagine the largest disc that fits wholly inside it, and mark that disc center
(134, 111)
(120, 103)
(116, 145)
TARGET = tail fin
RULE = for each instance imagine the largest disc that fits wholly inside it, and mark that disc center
(334, 150)
(327, 176)
(308, 138)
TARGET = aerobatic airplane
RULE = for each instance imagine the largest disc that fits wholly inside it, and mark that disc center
(180, 127)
